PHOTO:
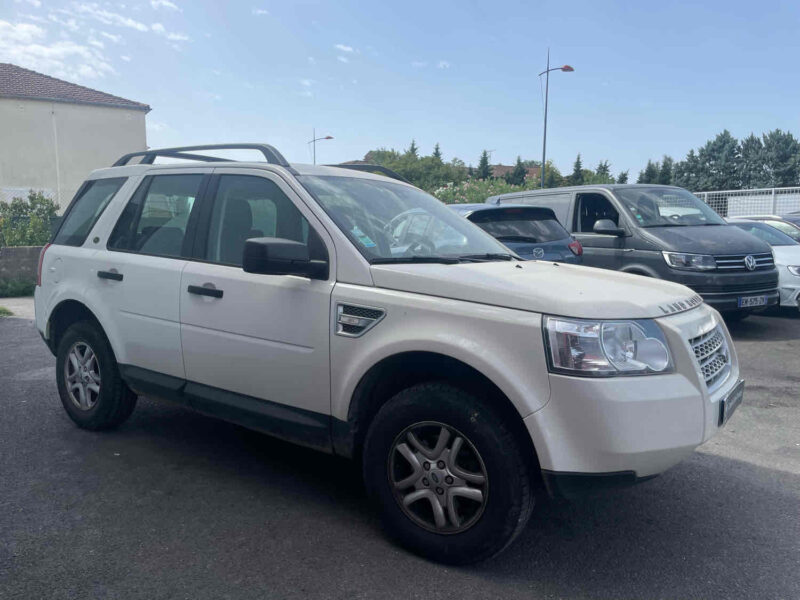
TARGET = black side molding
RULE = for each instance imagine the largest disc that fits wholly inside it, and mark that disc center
(570, 485)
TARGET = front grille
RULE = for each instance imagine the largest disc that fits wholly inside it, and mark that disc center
(713, 357)
(743, 289)
(736, 262)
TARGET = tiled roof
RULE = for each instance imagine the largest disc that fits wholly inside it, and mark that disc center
(16, 82)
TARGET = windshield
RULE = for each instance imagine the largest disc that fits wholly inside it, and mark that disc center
(769, 234)
(791, 230)
(666, 207)
(391, 222)
(517, 228)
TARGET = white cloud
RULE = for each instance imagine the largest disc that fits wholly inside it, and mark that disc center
(171, 36)
(94, 11)
(156, 4)
(96, 44)
(156, 126)
(216, 72)
(306, 82)
(35, 3)
(343, 59)
(343, 48)
(443, 64)
(307, 94)
(69, 23)
(28, 45)
(125, 58)
(312, 60)
(110, 36)
(418, 64)
(260, 12)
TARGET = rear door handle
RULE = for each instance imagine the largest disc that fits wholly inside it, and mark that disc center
(204, 291)
(112, 275)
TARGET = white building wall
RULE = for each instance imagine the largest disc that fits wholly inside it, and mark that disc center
(52, 146)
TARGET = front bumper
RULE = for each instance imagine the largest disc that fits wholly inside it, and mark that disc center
(723, 290)
(623, 429)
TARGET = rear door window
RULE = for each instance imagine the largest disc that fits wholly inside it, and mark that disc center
(156, 218)
(86, 209)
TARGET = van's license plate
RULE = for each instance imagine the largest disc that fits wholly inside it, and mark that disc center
(730, 403)
(747, 301)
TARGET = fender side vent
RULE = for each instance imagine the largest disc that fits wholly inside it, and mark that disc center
(354, 321)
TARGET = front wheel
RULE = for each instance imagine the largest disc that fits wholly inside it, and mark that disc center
(451, 480)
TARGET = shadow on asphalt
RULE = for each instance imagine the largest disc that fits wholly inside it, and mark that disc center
(700, 530)
(769, 326)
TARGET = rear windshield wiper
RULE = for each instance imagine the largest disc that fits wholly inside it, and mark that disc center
(517, 238)
(487, 256)
(444, 260)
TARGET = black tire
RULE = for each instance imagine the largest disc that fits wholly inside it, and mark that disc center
(114, 402)
(509, 496)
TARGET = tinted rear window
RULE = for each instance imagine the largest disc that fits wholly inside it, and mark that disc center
(86, 209)
(520, 228)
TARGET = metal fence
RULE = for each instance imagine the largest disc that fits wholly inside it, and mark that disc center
(743, 203)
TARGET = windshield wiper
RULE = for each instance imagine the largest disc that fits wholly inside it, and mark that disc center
(517, 238)
(444, 260)
(487, 256)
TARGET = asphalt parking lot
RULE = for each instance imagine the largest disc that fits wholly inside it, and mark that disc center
(177, 505)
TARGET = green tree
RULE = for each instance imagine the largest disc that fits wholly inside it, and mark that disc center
(517, 176)
(719, 163)
(687, 172)
(484, 168)
(603, 169)
(752, 173)
(650, 173)
(437, 153)
(665, 171)
(781, 158)
(553, 177)
(622, 177)
(412, 150)
(26, 221)
(577, 172)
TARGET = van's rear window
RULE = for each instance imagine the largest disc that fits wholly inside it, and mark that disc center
(86, 209)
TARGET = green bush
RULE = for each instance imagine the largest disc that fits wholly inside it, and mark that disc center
(16, 287)
(26, 222)
(477, 190)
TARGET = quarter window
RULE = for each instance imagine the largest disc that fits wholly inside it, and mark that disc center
(86, 209)
(592, 208)
(247, 207)
(155, 220)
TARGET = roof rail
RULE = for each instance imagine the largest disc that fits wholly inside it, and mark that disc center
(378, 169)
(271, 154)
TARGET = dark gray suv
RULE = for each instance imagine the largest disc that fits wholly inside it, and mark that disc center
(665, 232)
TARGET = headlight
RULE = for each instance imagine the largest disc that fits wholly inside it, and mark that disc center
(606, 348)
(691, 262)
(794, 270)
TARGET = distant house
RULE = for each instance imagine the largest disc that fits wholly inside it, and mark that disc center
(55, 132)
(500, 171)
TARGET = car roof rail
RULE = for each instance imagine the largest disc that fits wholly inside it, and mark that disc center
(377, 169)
(271, 154)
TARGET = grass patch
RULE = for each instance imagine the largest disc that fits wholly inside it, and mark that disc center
(12, 288)
(4, 312)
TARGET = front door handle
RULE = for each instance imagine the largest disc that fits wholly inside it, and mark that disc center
(112, 275)
(204, 291)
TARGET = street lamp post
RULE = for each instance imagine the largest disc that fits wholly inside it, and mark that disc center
(315, 140)
(546, 73)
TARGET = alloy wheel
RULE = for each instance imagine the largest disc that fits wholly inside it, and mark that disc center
(82, 376)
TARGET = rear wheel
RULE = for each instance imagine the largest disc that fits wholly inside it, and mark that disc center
(91, 389)
(451, 480)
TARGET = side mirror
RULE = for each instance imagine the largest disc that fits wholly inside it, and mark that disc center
(277, 256)
(607, 227)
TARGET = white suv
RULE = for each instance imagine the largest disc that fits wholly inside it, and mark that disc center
(463, 379)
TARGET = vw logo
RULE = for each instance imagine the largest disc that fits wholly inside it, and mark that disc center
(538, 252)
(749, 262)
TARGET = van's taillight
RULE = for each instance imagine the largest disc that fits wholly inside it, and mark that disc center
(576, 247)
(39, 269)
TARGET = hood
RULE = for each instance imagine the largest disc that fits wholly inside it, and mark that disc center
(786, 256)
(705, 239)
(543, 287)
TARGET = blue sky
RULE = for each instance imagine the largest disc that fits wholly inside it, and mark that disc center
(650, 77)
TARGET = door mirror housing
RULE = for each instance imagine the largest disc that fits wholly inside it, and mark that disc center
(277, 256)
(607, 227)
